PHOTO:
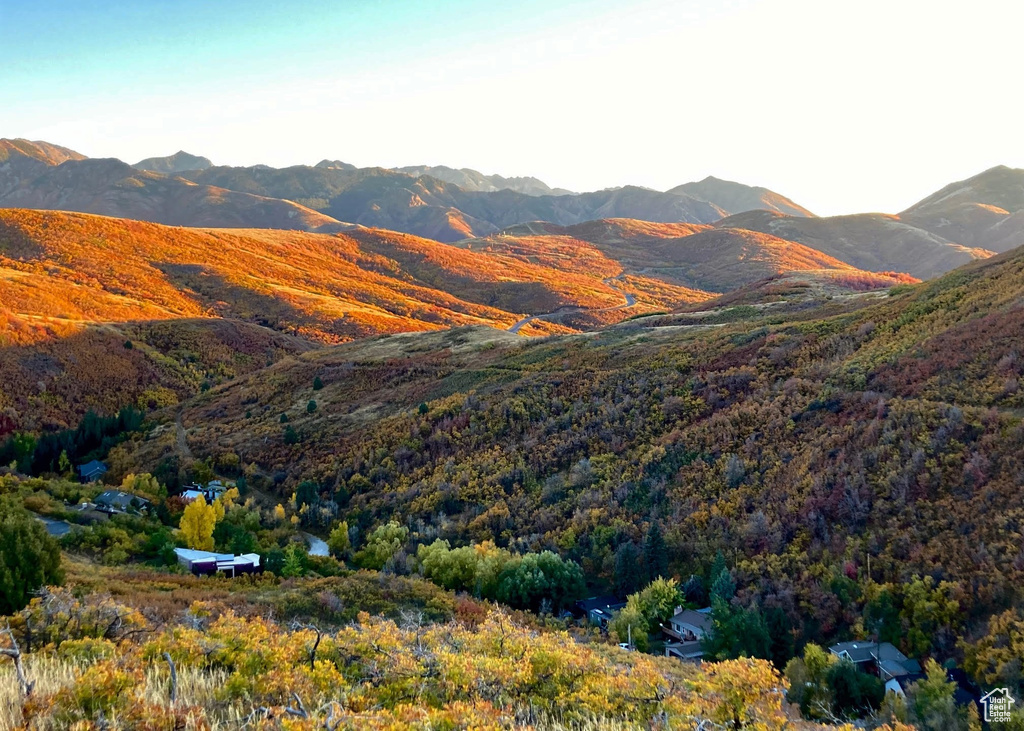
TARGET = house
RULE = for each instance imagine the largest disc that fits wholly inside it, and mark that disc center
(207, 563)
(116, 501)
(686, 631)
(900, 685)
(210, 492)
(599, 610)
(878, 658)
(92, 471)
(688, 625)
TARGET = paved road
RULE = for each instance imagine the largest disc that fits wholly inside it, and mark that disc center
(317, 547)
(629, 301)
(55, 528)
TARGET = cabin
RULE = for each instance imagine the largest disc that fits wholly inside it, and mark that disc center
(685, 632)
(116, 501)
(208, 563)
(599, 610)
(91, 471)
(878, 658)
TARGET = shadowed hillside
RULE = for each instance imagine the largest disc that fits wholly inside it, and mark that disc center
(690, 255)
(871, 241)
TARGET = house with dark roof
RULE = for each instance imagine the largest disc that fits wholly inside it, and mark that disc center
(91, 471)
(599, 610)
(116, 501)
(877, 658)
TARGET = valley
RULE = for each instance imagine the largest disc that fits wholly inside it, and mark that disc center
(808, 428)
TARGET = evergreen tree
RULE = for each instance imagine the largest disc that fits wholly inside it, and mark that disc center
(655, 553)
(630, 575)
(29, 557)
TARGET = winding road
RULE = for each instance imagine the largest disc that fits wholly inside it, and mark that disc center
(629, 301)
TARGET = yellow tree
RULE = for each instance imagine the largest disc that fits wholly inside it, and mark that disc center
(198, 522)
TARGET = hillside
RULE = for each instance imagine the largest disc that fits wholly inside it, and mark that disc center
(795, 445)
(689, 255)
(75, 287)
(978, 211)
(869, 241)
(739, 198)
(324, 287)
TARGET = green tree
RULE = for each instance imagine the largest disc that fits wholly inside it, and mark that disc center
(291, 436)
(338, 541)
(736, 632)
(29, 557)
(381, 546)
(931, 703)
(294, 561)
(807, 682)
(311, 406)
(317, 383)
(655, 553)
(854, 694)
(630, 576)
(628, 625)
(929, 611)
(656, 603)
(64, 463)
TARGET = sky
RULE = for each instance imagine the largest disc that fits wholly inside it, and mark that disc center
(842, 106)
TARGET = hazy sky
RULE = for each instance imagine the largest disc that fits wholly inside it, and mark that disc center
(843, 106)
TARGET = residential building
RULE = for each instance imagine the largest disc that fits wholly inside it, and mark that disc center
(116, 501)
(205, 563)
(686, 631)
(91, 471)
(878, 658)
(599, 610)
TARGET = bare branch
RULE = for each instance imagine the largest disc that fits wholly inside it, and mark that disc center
(14, 652)
(174, 678)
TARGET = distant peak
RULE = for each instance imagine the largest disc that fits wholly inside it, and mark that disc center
(179, 162)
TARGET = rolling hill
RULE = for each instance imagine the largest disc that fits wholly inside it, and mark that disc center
(690, 255)
(75, 287)
(981, 211)
(870, 241)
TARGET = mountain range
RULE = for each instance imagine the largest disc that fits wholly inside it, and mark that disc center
(967, 220)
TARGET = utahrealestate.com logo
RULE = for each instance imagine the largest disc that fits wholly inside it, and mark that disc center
(997, 705)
